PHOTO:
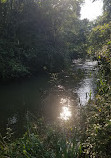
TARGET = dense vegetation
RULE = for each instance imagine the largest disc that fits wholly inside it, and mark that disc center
(38, 35)
(97, 141)
(23, 51)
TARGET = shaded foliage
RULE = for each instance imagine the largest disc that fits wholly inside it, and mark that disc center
(38, 34)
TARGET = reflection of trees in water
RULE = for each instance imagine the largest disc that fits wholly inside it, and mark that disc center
(46, 101)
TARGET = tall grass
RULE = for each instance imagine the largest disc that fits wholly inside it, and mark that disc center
(43, 141)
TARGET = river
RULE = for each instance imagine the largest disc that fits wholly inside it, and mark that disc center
(52, 97)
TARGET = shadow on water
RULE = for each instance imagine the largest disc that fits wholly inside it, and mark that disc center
(54, 100)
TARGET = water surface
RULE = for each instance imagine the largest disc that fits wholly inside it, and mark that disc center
(54, 98)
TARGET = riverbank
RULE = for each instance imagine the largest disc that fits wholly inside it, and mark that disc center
(78, 136)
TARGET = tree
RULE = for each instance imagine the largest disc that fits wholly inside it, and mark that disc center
(34, 35)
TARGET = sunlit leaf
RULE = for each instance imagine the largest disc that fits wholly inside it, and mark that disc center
(3, 1)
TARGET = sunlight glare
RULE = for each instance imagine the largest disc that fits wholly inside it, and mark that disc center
(65, 114)
(63, 101)
(91, 10)
(65, 105)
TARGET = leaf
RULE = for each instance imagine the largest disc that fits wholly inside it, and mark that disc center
(109, 42)
(80, 149)
(99, 57)
(3, 1)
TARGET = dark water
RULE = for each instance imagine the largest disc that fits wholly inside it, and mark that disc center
(51, 97)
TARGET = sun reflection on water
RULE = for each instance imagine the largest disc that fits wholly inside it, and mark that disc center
(66, 112)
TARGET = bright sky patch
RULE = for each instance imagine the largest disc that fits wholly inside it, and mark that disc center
(91, 10)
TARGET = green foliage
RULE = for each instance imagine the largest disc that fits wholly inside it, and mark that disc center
(97, 115)
(35, 34)
(11, 65)
(43, 141)
(97, 139)
(99, 35)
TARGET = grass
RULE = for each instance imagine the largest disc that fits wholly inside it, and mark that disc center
(43, 141)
